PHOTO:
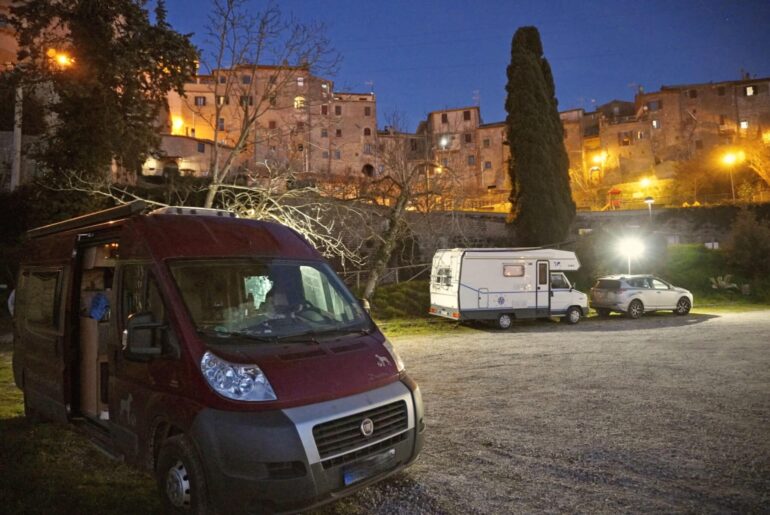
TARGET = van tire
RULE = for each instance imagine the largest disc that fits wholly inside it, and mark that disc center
(635, 309)
(180, 477)
(573, 315)
(504, 321)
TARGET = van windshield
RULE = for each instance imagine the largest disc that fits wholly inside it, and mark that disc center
(266, 299)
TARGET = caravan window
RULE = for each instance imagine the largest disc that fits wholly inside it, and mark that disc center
(513, 270)
(41, 298)
(444, 276)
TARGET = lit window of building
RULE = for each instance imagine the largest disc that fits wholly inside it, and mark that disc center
(744, 124)
(300, 82)
(750, 91)
(656, 124)
(299, 102)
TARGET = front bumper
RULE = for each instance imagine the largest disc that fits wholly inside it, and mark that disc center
(269, 461)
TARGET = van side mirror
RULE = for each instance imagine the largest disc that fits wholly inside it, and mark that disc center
(142, 337)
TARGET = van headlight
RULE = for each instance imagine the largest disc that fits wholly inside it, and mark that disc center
(237, 382)
(393, 354)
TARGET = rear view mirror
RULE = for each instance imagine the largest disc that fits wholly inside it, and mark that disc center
(141, 338)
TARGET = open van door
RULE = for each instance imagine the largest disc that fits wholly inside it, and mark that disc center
(40, 350)
(543, 295)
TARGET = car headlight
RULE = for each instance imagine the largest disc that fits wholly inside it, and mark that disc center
(393, 354)
(237, 382)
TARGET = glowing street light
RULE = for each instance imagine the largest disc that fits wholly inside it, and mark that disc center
(631, 248)
(63, 59)
(730, 159)
(645, 182)
(649, 201)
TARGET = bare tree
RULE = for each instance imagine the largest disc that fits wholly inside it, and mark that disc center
(411, 181)
(758, 158)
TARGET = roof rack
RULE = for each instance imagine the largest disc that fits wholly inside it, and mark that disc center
(106, 215)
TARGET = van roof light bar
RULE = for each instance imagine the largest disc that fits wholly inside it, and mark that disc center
(197, 211)
(106, 215)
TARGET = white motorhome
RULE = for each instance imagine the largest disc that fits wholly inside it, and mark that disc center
(505, 284)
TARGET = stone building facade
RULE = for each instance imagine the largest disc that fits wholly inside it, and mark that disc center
(300, 120)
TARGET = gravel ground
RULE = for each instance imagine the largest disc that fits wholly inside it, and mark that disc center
(662, 414)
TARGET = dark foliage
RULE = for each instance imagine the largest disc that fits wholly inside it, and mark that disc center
(543, 208)
(107, 102)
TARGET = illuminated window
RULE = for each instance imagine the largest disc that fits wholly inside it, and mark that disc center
(299, 102)
(656, 124)
(749, 91)
(513, 270)
(300, 82)
(223, 100)
(744, 124)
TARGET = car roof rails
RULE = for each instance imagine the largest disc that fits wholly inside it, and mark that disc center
(196, 211)
(106, 215)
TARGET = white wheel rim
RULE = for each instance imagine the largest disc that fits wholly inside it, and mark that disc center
(178, 485)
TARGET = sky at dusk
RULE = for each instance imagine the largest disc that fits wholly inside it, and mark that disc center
(427, 55)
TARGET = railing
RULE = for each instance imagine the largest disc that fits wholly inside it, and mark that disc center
(389, 275)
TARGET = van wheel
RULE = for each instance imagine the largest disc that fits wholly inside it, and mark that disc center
(504, 321)
(180, 477)
(573, 315)
(683, 306)
(635, 309)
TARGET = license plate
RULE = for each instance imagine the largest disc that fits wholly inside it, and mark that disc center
(368, 467)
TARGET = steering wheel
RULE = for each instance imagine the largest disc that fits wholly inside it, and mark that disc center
(305, 306)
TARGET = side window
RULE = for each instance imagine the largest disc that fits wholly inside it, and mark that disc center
(542, 273)
(132, 291)
(41, 299)
(559, 282)
(659, 285)
(513, 270)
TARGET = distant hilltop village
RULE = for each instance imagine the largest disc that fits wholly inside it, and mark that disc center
(332, 136)
(620, 154)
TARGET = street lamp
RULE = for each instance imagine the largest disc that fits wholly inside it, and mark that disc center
(649, 201)
(631, 248)
(730, 159)
(62, 60)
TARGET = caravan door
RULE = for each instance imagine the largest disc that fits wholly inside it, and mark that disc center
(543, 293)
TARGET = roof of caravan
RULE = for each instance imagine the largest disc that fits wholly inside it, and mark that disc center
(522, 251)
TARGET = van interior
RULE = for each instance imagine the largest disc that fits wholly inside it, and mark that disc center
(97, 270)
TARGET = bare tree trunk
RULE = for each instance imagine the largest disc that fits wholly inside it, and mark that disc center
(382, 257)
(211, 195)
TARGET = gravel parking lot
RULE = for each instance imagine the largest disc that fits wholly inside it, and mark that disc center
(664, 414)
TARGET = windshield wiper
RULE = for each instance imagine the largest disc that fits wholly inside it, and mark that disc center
(306, 337)
(238, 334)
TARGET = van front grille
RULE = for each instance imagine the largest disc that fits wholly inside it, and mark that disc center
(344, 434)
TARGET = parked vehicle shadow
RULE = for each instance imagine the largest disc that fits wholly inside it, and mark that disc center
(49, 468)
(613, 323)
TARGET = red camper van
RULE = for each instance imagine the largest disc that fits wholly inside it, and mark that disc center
(223, 354)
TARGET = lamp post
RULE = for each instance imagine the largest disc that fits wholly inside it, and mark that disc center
(649, 201)
(630, 248)
(730, 159)
(60, 59)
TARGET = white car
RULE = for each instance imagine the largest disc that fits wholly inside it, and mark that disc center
(635, 295)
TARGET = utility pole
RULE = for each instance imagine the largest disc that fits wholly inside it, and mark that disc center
(17, 117)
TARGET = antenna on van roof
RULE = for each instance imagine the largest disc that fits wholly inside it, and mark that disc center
(106, 215)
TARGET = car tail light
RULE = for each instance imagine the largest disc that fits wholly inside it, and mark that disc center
(455, 315)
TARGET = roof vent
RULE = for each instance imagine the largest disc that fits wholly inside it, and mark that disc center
(197, 211)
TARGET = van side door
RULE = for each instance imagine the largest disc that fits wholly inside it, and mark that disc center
(41, 351)
(543, 290)
(135, 378)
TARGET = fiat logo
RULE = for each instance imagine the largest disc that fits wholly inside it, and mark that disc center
(367, 427)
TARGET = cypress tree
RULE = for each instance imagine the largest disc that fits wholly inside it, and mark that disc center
(543, 208)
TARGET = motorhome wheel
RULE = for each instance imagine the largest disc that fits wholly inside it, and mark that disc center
(504, 321)
(573, 315)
